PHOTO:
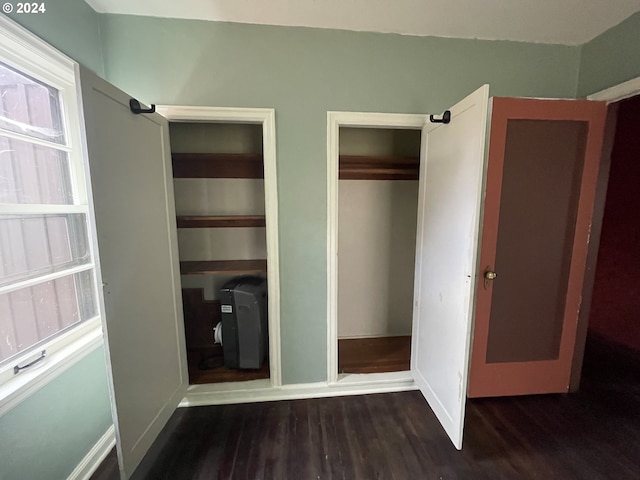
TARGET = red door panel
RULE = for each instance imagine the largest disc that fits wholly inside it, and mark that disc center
(541, 178)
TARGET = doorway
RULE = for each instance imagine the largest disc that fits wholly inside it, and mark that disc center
(226, 205)
(372, 200)
(450, 186)
(614, 303)
(218, 179)
(377, 214)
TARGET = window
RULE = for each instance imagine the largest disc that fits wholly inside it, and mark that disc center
(48, 291)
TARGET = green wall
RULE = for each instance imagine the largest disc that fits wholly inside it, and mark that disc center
(611, 58)
(48, 434)
(71, 26)
(302, 73)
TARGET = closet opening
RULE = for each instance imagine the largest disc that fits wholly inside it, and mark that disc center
(613, 334)
(378, 171)
(219, 192)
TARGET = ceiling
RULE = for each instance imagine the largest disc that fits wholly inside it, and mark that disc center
(568, 22)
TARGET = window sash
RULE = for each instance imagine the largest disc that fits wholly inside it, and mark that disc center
(31, 56)
(38, 313)
(30, 282)
(61, 352)
(34, 140)
(30, 105)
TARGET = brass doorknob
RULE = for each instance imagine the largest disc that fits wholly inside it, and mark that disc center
(488, 276)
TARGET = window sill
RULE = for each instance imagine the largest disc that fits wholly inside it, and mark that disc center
(25, 384)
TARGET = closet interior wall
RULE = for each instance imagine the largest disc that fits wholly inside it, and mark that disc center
(377, 204)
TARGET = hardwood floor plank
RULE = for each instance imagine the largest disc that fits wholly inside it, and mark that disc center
(199, 361)
(593, 434)
(334, 460)
(355, 430)
(374, 355)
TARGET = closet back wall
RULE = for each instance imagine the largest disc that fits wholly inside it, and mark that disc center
(376, 239)
(303, 73)
(217, 196)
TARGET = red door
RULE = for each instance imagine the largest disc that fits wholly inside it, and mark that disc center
(541, 180)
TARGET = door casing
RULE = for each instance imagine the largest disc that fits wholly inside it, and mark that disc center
(397, 380)
(266, 118)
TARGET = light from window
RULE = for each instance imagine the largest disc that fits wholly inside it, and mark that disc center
(47, 282)
(29, 106)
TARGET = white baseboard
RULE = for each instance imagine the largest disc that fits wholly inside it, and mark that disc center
(96, 455)
(249, 392)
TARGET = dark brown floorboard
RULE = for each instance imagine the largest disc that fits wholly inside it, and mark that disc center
(593, 435)
(108, 469)
(200, 361)
(374, 355)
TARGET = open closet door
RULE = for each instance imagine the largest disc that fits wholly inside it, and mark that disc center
(451, 178)
(542, 174)
(132, 192)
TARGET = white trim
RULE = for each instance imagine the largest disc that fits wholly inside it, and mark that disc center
(376, 335)
(42, 58)
(259, 391)
(368, 380)
(92, 460)
(618, 92)
(333, 154)
(177, 113)
(12, 287)
(43, 209)
(265, 117)
(34, 140)
(273, 249)
(334, 121)
(89, 337)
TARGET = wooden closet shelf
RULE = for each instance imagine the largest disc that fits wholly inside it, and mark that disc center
(204, 267)
(220, 221)
(217, 165)
(355, 167)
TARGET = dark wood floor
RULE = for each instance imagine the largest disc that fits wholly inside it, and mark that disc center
(374, 355)
(206, 366)
(591, 435)
(360, 355)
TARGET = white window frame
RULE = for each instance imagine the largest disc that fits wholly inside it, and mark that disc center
(31, 55)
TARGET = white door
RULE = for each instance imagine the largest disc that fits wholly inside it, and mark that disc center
(132, 189)
(451, 179)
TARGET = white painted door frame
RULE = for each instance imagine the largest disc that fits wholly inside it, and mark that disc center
(627, 89)
(266, 118)
(335, 120)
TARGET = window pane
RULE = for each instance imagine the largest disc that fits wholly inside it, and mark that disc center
(29, 107)
(32, 174)
(34, 245)
(32, 315)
